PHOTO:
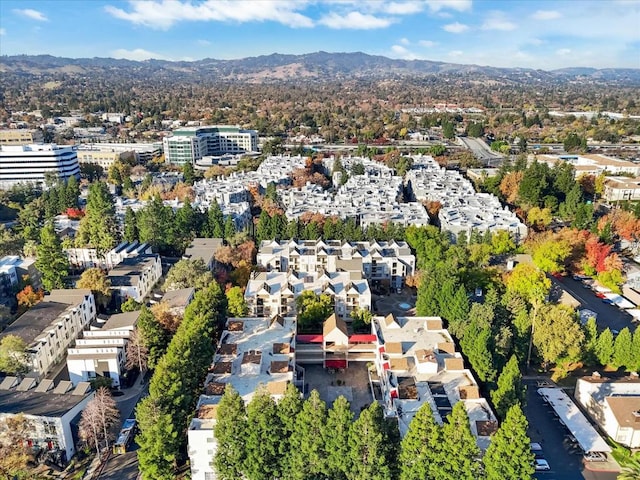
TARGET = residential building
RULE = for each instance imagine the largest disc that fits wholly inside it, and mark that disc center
(21, 136)
(274, 293)
(621, 188)
(190, 144)
(204, 249)
(135, 277)
(253, 353)
(52, 412)
(613, 404)
(591, 164)
(101, 351)
(99, 157)
(387, 263)
(417, 362)
(31, 163)
(83, 258)
(52, 325)
(19, 269)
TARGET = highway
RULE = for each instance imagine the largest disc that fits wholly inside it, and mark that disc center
(482, 151)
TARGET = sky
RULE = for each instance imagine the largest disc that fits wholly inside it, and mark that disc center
(545, 34)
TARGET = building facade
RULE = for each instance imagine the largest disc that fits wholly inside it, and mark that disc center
(190, 144)
(20, 136)
(135, 277)
(32, 163)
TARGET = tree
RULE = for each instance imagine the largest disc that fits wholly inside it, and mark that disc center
(262, 461)
(361, 319)
(368, 441)
(188, 273)
(419, 450)
(448, 130)
(289, 407)
(477, 346)
(509, 455)
(158, 441)
(51, 261)
(15, 432)
(510, 185)
(307, 454)
(130, 225)
(528, 282)
(14, 359)
(630, 468)
(99, 228)
(539, 218)
(459, 450)
(557, 334)
(501, 242)
(605, 347)
(215, 221)
(156, 224)
(623, 354)
(137, 353)
(237, 304)
(313, 309)
(550, 254)
(98, 418)
(509, 391)
(130, 305)
(188, 173)
(27, 297)
(152, 336)
(336, 439)
(230, 432)
(97, 281)
(635, 348)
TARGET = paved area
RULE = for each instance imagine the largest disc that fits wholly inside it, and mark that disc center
(354, 384)
(608, 315)
(395, 303)
(482, 151)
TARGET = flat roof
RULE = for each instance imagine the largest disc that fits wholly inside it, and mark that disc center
(586, 435)
(178, 298)
(626, 409)
(34, 321)
(31, 402)
(119, 321)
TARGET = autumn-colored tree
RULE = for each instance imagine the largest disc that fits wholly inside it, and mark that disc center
(240, 255)
(595, 253)
(97, 281)
(539, 218)
(433, 208)
(165, 317)
(98, 418)
(510, 185)
(15, 432)
(27, 297)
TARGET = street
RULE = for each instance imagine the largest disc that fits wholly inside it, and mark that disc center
(608, 315)
(482, 151)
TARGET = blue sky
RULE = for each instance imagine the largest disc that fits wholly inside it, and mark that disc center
(529, 33)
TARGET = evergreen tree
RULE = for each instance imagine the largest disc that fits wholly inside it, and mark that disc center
(369, 446)
(292, 230)
(72, 192)
(156, 225)
(288, 409)
(569, 208)
(477, 346)
(509, 391)
(130, 225)
(51, 260)
(604, 347)
(336, 439)
(158, 441)
(509, 455)
(98, 228)
(153, 336)
(459, 450)
(591, 339)
(623, 354)
(635, 348)
(230, 431)
(307, 454)
(186, 221)
(419, 448)
(215, 221)
(188, 173)
(263, 459)
(229, 228)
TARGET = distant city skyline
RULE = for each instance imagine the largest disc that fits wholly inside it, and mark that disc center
(533, 34)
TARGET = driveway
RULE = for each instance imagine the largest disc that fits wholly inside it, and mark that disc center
(608, 315)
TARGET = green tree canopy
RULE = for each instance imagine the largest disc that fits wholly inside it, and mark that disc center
(419, 450)
(336, 439)
(98, 228)
(14, 359)
(369, 443)
(187, 273)
(263, 460)
(459, 452)
(97, 281)
(230, 431)
(51, 261)
(237, 304)
(509, 391)
(313, 309)
(557, 334)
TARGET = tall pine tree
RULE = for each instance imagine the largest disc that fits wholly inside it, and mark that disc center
(419, 448)
(230, 431)
(459, 452)
(130, 225)
(263, 459)
(98, 228)
(336, 439)
(51, 261)
(369, 443)
(509, 391)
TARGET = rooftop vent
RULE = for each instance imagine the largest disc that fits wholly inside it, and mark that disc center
(634, 375)
(596, 375)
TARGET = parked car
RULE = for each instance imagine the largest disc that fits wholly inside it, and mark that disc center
(535, 447)
(595, 457)
(541, 464)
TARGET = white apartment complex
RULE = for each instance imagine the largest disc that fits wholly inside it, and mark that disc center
(253, 353)
(135, 277)
(30, 163)
(274, 293)
(102, 349)
(379, 262)
(52, 412)
(52, 325)
(417, 362)
(591, 164)
(190, 144)
(83, 258)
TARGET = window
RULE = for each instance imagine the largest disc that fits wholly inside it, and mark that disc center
(210, 439)
(50, 428)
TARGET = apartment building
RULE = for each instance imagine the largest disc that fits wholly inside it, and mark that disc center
(204, 249)
(621, 188)
(387, 263)
(83, 258)
(417, 362)
(31, 163)
(101, 351)
(98, 157)
(591, 164)
(52, 413)
(253, 353)
(190, 144)
(21, 136)
(274, 293)
(135, 277)
(143, 152)
(52, 325)
(613, 404)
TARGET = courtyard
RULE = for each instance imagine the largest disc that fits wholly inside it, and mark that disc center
(352, 383)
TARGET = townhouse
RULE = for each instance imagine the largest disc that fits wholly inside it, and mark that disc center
(135, 277)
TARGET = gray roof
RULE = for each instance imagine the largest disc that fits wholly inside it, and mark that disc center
(203, 248)
(121, 320)
(178, 298)
(46, 404)
(32, 323)
(127, 272)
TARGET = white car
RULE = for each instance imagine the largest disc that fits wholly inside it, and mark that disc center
(541, 464)
(535, 447)
(595, 457)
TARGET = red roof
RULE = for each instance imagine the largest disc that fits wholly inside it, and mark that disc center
(362, 339)
(335, 364)
(316, 338)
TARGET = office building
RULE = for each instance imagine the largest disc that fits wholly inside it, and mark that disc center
(190, 144)
(20, 136)
(32, 163)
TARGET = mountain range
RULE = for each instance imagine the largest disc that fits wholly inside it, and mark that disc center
(318, 66)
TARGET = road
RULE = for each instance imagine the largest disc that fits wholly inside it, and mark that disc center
(482, 151)
(608, 315)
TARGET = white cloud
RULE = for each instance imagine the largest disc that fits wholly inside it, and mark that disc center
(162, 14)
(204, 43)
(456, 53)
(535, 41)
(456, 27)
(403, 8)
(546, 15)
(405, 41)
(3, 32)
(458, 5)
(427, 43)
(498, 21)
(563, 52)
(138, 54)
(404, 53)
(32, 14)
(354, 21)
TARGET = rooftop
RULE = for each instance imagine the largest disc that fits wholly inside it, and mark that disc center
(38, 403)
(127, 272)
(626, 409)
(119, 321)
